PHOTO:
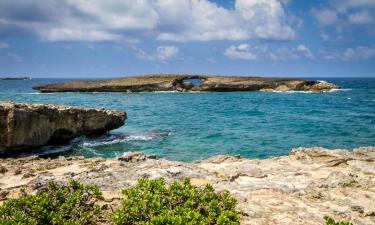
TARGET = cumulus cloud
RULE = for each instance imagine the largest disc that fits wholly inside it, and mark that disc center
(162, 53)
(362, 17)
(325, 17)
(4, 45)
(14, 57)
(263, 52)
(351, 54)
(173, 20)
(358, 53)
(346, 13)
(305, 51)
(345, 5)
(241, 51)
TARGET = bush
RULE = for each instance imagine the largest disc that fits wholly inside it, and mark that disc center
(154, 202)
(330, 221)
(55, 204)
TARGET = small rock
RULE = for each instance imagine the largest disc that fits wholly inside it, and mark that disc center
(135, 157)
(28, 175)
(3, 169)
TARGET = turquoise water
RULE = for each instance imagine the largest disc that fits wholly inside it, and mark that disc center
(192, 126)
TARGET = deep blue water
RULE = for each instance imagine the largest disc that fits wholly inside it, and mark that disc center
(191, 126)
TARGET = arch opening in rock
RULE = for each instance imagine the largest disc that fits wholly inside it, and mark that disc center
(195, 82)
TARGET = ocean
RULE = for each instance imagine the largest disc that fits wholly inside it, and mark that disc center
(194, 126)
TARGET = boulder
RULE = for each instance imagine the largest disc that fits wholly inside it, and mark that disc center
(29, 126)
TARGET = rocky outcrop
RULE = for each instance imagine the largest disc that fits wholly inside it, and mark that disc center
(181, 83)
(26, 126)
(297, 189)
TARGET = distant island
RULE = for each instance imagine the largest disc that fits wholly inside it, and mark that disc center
(15, 78)
(188, 83)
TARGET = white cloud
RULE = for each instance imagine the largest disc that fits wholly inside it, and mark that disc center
(166, 52)
(346, 14)
(162, 53)
(362, 17)
(263, 52)
(325, 17)
(173, 20)
(344, 5)
(241, 51)
(4, 45)
(14, 57)
(358, 53)
(305, 51)
(351, 54)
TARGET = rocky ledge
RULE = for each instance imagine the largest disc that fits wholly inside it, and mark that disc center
(297, 189)
(186, 83)
(25, 126)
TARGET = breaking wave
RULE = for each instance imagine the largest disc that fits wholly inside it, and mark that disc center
(115, 138)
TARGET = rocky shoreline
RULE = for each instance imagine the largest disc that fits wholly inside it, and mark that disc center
(29, 126)
(188, 83)
(297, 189)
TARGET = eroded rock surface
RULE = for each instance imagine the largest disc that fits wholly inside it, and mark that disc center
(181, 83)
(24, 126)
(297, 189)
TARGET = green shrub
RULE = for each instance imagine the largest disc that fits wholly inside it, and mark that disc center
(153, 202)
(55, 204)
(331, 221)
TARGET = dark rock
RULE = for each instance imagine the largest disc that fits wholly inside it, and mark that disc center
(27, 126)
(135, 157)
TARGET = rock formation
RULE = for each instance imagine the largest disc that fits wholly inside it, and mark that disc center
(25, 126)
(297, 189)
(180, 83)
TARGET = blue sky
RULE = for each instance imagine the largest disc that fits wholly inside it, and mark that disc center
(79, 38)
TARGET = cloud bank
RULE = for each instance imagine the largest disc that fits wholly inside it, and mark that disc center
(132, 20)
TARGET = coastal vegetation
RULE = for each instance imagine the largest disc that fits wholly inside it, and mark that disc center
(55, 204)
(154, 202)
(149, 202)
(331, 221)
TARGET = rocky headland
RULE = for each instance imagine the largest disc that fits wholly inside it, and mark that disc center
(29, 126)
(297, 189)
(188, 83)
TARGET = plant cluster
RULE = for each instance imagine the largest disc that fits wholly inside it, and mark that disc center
(72, 204)
(150, 202)
(331, 221)
(153, 202)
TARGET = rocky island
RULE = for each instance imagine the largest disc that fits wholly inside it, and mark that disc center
(188, 83)
(15, 78)
(297, 189)
(27, 126)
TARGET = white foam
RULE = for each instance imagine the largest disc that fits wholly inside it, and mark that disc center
(338, 89)
(111, 140)
(291, 92)
(49, 150)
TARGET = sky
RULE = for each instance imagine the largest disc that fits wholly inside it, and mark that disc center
(113, 38)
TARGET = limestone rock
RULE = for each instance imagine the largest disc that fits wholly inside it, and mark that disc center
(282, 190)
(25, 126)
(135, 157)
(180, 83)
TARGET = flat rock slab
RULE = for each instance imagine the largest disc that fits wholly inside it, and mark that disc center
(26, 126)
(183, 83)
(297, 189)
